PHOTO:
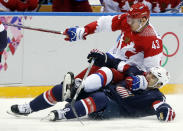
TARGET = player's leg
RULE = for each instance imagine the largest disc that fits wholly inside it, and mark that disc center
(92, 71)
(48, 98)
(111, 111)
(102, 78)
(95, 81)
(43, 101)
(94, 103)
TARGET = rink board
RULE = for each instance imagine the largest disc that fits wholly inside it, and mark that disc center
(33, 91)
(42, 59)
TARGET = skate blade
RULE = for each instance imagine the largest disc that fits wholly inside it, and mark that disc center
(16, 115)
(68, 81)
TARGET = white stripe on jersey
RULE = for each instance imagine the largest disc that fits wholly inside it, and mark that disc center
(104, 24)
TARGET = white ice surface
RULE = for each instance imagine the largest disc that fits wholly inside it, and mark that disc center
(33, 123)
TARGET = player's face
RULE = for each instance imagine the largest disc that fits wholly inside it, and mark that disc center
(134, 23)
(151, 79)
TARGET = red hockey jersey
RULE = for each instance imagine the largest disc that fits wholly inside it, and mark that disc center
(143, 49)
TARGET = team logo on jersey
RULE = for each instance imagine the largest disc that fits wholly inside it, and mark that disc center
(128, 50)
(126, 39)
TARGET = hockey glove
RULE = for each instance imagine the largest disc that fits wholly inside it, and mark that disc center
(100, 57)
(103, 59)
(75, 33)
(135, 83)
(164, 112)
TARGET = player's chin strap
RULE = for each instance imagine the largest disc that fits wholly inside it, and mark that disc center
(153, 86)
(141, 26)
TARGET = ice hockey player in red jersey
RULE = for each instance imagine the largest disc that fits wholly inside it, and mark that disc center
(155, 6)
(18, 5)
(139, 45)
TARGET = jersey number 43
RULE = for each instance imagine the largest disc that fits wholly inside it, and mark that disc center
(155, 44)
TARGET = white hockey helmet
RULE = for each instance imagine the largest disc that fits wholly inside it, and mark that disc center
(162, 75)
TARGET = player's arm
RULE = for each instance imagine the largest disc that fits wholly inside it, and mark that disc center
(103, 24)
(134, 83)
(3, 39)
(163, 111)
(153, 53)
(131, 84)
(106, 59)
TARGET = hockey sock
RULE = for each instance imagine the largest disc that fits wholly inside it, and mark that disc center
(93, 103)
(47, 99)
(100, 79)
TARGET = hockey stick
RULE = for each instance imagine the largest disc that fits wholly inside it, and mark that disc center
(33, 28)
(79, 90)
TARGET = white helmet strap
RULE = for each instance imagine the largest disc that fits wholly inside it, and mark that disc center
(141, 26)
(155, 84)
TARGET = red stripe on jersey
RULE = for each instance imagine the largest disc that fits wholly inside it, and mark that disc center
(170, 115)
(104, 76)
(173, 115)
(90, 28)
(90, 104)
(50, 97)
(122, 92)
(1, 53)
(156, 102)
(51, 93)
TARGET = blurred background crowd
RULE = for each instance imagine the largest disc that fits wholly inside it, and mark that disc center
(156, 6)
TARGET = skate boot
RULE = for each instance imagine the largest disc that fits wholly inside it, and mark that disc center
(57, 114)
(23, 109)
(70, 86)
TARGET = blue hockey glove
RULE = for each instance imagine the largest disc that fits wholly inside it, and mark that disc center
(164, 112)
(75, 33)
(135, 83)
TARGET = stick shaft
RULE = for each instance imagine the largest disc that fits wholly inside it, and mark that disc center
(79, 90)
(33, 28)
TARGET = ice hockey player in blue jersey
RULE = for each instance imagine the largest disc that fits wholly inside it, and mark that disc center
(136, 96)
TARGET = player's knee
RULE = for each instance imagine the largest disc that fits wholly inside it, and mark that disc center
(95, 102)
(100, 79)
(100, 100)
(92, 83)
(106, 75)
